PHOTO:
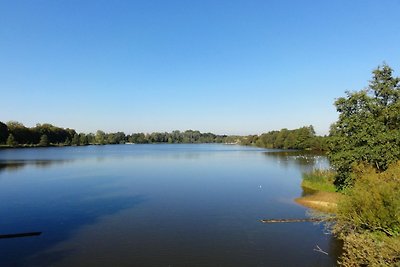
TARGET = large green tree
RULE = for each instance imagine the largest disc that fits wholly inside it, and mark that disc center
(368, 128)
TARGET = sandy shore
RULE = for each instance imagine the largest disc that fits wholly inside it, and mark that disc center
(321, 201)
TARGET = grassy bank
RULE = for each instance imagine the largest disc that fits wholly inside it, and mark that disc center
(319, 180)
(320, 193)
(367, 215)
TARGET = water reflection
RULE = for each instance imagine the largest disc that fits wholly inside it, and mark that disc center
(15, 165)
(11, 166)
(301, 159)
(307, 191)
(57, 224)
(43, 199)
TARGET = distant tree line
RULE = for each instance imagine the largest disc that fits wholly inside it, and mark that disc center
(15, 134)
(176, 137)
(303, 138)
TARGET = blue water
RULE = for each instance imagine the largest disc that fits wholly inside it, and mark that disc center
(157, 205)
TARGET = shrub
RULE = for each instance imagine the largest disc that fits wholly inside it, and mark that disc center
(373, 204)
(368, 218)
(370, 250)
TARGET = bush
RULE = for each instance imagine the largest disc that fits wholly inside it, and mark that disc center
(373, 204)
(368, 218)
(370, 250)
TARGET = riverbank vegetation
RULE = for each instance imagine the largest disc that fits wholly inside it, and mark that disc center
(368, 128)
(368, 218)
(364, 150)
(367, 214)
(15, 134)
(303, 138)
(319, 180)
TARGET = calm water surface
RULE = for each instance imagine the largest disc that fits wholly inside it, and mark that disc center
(157, 205)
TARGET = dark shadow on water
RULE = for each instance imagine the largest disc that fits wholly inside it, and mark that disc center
(57, 224)
(336, 247)
(16, 165)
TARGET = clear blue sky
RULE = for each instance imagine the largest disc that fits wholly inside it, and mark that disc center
(233, 67)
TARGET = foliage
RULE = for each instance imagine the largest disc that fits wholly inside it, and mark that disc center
(319, 180)
(3, 133)
(55, 135)
(32, 136)
(83, 139)
(373, 203)
(176, 137)
(100, 137)
(75, 140)
(368, 218)
(67, 142)
(22, 134)
(370, 250)
(116, 138)
(368, 128)
(11, 141)
(301, 138)
(44, 140)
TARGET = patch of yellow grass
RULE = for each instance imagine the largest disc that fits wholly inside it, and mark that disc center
(321, 201)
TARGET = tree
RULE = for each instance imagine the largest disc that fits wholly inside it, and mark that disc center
(3, 133)
(44, 140)
(67, 142)
(11, 141)
(83, 139)
(90, 138)
(100, 137)
(21, 134)
(119, 138)
(368, 128)
(290, 141)
(280, 138)
(110, 138)
(75, 140)
(304, 137)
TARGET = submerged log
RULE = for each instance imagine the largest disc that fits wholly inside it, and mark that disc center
(292, 220)
(21, 235)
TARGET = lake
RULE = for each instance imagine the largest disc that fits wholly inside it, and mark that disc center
(157, 205)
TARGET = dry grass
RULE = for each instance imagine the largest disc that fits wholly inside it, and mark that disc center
(321, 201)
